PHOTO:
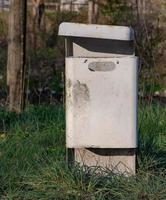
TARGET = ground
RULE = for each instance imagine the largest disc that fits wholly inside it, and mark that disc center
(32, 159)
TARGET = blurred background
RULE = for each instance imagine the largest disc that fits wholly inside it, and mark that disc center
(32, 144)
(45, 50)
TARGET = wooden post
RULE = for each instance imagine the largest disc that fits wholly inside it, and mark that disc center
(17, 55)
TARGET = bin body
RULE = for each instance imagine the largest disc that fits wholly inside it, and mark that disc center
(101, 95)
(101, 102)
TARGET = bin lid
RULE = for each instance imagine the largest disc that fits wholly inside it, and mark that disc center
(96, 31)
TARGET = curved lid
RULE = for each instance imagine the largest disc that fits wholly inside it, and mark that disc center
(96, 31)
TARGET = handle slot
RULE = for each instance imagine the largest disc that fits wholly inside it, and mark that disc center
(101, 66)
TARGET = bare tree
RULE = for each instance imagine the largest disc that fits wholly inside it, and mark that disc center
(141, 8)
(92, 11)
(17, 55)
(38, 8)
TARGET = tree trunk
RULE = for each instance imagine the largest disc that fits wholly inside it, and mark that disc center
(38, 7)
(92, 11)
(17, 55)
(141, 9)
(96, 12)
(35, 4)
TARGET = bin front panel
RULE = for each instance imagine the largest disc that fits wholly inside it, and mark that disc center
(101, 102)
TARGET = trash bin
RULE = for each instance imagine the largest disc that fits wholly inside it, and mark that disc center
(101, 95)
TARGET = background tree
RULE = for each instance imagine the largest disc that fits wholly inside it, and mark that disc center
(92, 11)
(17, 55)
(38, 7)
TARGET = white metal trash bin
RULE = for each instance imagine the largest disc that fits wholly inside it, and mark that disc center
(101, 95)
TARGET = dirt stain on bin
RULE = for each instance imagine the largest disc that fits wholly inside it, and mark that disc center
(68, 83)
(81, 92)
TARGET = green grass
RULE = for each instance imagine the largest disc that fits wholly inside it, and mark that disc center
(32, 160)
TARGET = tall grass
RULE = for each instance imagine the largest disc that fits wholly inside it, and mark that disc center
(32, 160)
